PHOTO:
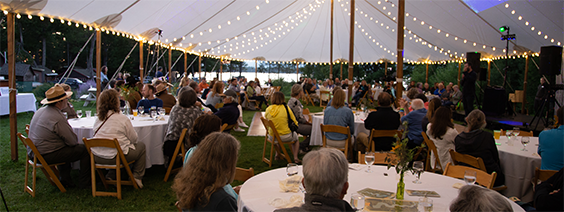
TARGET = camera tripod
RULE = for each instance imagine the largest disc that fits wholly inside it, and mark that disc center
(544, 108)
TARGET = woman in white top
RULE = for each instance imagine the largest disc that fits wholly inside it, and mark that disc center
(441, 131)
(113, 124)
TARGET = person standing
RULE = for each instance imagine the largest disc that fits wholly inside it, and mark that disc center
(542, 94)
(469, 88)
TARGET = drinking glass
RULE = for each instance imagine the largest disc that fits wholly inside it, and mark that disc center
(66, 115)
(162, 112)
(88, 114)
(79, 113)
(508, 135)
(469, 177)
(153, 114)
(141, 110)
(524, 141)
(291, 169)
(516, 131)
(369, 160)
(134, 112)
(418, 168)
(357, 201)
(425, 204)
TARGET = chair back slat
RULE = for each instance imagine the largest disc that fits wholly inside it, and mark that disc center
(382, 134)
(470, 160)
(337, 129)
(431, 145)
(244, 174)
(482, 177)
(542, 175)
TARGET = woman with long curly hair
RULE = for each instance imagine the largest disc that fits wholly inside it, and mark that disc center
(200, 185)
(203, 126)
(441, 131)
(111, 123)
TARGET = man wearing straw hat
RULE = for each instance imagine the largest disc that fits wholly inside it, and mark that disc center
(168, 100)
(55, 138)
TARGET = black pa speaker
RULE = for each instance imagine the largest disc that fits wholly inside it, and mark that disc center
(474, 59)
(494, 101)
(550, 60)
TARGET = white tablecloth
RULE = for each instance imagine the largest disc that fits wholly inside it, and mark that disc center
(315, 139)
(260, 189)
(24, 102)
(150, 133)
(519, 166)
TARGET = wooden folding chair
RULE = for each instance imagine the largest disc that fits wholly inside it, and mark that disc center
(431, 145)
(218, 105)
(244, 174)
(249, 101)
(226, 127)
(541, 175)
(321, 94)
(178, 151)
(470, 160)
(275, 140)
(308, 99)
(308, 114)
(277, 88)
(380, 158)
(121, 162)
(337, 129)
(382, 133)
(482, 177)
(49, 170)
(27, 129)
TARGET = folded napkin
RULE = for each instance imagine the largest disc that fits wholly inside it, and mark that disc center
(294, 201)
(290, 184)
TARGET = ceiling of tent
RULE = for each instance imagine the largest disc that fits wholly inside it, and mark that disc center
(284, 30)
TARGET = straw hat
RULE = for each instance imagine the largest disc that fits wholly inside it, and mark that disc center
(162, 87)
(55, 94)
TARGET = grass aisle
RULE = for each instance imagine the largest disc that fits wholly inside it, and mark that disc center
(156, 195)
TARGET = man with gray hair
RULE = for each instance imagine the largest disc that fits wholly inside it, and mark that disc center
(325, 181)
(229, 113)
(414, 119)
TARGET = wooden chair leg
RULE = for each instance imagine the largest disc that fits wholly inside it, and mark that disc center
(286, 155)
(171, 164)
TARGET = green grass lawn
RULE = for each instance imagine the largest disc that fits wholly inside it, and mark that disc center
(156, 195)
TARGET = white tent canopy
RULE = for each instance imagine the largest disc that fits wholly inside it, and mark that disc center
(282, 30)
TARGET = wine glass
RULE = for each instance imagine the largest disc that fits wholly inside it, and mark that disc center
(88, 113)
(357, 201)
(469, 177)
(154, 114)
(141, 110)
(508, 135)
(162, 112)
(369, 160)
(79, 113)
(291, 169)
(418, 167)
(425, 204)
(524, 141)
(516, 131)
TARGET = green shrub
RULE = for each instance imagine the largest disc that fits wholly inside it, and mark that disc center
(39, 91)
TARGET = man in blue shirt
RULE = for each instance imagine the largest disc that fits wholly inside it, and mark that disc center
(159, 72)
(149, 99)
(440, 90)
(551, 145)
(414, 119)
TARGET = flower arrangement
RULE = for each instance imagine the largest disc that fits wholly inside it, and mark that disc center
(127, 92)
(404, 156)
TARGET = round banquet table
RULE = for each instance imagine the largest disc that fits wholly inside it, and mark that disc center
(258, 191)
(150, 133)
(315, 139)
(518, 166)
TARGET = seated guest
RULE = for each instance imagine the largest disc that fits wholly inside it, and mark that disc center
(325, 181)
(426, 89)
(442, 133)
(414, 120)
(134, 95)
(235, 87)
(478, 143)
(71, 114)
(374, 121)
(214, 96)
(338, 114)
(454, 97)
(206, 91)
(551, 145)
(229, 113)
(200, 185)
(434, 104)
(420, 87)
(549, 194)
(253, 95)
(203, 126)
(345, 84)
(278, 114)
(149, 100)
(113, 124)
(168, 100)
(476, 198)
(337, 83)
(182, 116)
(362, 89)
(304, 127)
(55, 139)
(185, 81)
(440, 89)
(196, 88)
(411, 93)
(203, 84)
(310, 88)
(446, 95)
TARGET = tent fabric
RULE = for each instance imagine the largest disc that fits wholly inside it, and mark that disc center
(283, 30)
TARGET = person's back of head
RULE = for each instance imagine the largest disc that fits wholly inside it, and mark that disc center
(296, 90)
(422, 97)
(441, 121)
(277, 98)
(187, 97)
(417, 104)
(338, 99)
(326, 173)
(476, 120)
(203, 126)
(476, 198)
(193, 85)
(434, 104)
(384, 99)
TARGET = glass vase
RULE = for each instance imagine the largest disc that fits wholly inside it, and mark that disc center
(401, 187)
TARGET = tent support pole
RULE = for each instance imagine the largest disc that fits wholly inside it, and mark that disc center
(141, 69)
(489, 71)
(427, 72)
(458, 79)
(331, 44)
(525, 84)
(98, 61)
(341, 70)
(386, 69)
(351, 50)
(255, 68)
(401, 22)
(297, 73)
(169, 64)
(185, 65)
(199, 67)
(12, 82)
(220, 68)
